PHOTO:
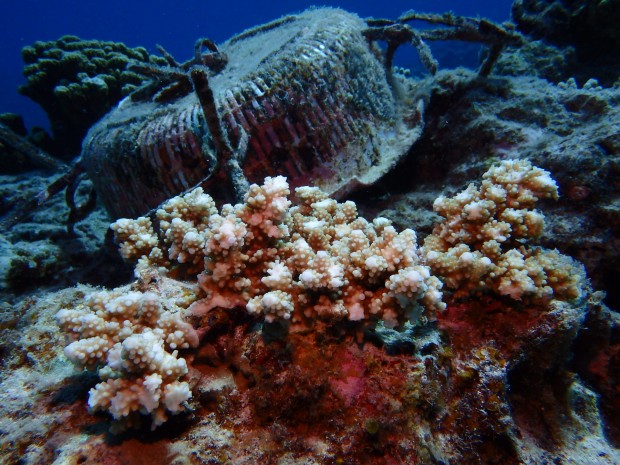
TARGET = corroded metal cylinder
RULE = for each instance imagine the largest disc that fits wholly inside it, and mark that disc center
(311, 94)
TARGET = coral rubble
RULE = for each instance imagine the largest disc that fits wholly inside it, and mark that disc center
(39, 254)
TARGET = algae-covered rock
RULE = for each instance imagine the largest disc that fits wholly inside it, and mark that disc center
(570, 131)
(570, 22)
(586, 33)
(39, 253)
(20, 151)
(77, 81)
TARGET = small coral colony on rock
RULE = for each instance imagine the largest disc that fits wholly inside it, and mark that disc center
(282, 308)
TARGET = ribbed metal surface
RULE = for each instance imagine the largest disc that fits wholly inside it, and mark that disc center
(311, 96)
(140, 162)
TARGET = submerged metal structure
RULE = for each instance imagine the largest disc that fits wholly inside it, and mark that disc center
(306, 96)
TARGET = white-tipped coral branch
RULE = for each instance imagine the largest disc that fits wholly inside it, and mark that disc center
(314, 262)
(133, 338)
(317, 259)
(483, 243)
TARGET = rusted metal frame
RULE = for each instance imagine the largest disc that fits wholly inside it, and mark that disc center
(465, 29)
(173, 80)
(70, 180)
(395, 34)
(468, 29)
(227, 158)
(215, 60)
(168, 57)
(28, 150)
(262, 28)
(78, 212)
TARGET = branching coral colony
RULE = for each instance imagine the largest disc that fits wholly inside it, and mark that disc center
(481, 245)
(298, 266)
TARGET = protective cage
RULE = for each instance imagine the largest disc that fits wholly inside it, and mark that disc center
(309, 91)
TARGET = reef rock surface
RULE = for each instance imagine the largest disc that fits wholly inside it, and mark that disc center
(496, 377)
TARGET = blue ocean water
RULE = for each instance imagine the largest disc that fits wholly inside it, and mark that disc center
(174, 25)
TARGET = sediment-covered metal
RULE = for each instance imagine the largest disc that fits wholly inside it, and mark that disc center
(311, 94)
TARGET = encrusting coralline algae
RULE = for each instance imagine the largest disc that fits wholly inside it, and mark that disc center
(305, 266)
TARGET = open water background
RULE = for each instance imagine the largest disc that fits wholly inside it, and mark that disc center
(177, 24)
